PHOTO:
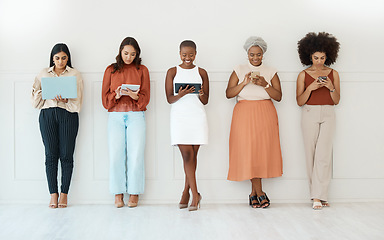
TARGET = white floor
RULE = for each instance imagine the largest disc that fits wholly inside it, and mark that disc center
(234, 221)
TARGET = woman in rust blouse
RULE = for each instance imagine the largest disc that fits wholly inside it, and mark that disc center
(125, 94)
(318, 90)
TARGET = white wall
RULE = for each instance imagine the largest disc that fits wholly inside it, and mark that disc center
(93, 30)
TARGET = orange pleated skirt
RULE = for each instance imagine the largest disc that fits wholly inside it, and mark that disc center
(254, 142)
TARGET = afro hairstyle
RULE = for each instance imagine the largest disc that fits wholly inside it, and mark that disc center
(321, 42)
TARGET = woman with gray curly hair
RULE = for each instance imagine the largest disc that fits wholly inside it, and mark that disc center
(317, 91)
(254, 143)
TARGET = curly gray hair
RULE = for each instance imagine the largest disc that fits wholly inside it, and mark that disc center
(255, 41)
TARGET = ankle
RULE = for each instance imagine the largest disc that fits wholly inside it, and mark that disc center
(63, 197)
(54, 197)
(185, 192)
(119, 196)
(196, 196)
(261, 193)
(133, 197)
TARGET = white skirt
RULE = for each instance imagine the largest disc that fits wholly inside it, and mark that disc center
(189, 124)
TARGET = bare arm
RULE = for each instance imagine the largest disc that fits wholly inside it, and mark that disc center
(335, 95)
(302, 94)
(204, 92)
(234, 87)
(171, 73)
(274, 91)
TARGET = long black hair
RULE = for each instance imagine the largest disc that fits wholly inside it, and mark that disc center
(60, 47)
(119, 61)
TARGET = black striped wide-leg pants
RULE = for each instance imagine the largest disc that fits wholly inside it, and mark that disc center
(58, 129)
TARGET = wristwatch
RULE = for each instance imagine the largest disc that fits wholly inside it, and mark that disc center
(332, 90)
(267, 86)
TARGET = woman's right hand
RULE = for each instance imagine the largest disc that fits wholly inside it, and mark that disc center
(315, 85)
(186, 90)
(247, 79)
(117, 91)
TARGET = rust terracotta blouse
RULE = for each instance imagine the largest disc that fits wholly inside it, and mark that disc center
(129, 74)
(320, 96)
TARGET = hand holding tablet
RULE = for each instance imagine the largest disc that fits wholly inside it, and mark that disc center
(125, 87)
(197, 87)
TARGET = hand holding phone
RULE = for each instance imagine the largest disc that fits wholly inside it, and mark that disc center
(322, 79)
(255, 74)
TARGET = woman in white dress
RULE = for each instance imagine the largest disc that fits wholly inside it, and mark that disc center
(189, 127)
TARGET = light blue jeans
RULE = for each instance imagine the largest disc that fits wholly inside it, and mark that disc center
(126, 141)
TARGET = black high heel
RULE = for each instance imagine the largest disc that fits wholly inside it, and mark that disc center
(262, 198)
(255, 204)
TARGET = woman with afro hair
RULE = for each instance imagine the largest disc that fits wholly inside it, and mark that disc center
(317, 91)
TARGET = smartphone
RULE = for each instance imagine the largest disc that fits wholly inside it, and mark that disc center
(321, 79)
(254, 74)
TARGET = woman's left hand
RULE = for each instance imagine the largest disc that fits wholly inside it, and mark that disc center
(328, 84)
(201, 91)
(260, 81)
(133, 94)
(60, 99)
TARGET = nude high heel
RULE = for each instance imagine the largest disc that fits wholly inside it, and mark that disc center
(184, 205)
(194, 208)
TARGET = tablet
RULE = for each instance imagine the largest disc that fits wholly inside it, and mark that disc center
(184, 85)
(64, 86)
(132, 87)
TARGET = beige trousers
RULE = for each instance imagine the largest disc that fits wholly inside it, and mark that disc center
(318, 127)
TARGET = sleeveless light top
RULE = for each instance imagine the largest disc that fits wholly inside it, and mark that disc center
(188, 118)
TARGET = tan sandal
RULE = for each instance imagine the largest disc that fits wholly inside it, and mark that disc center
(119, 202)
(52, 204)
(132, 204)
(63, 204)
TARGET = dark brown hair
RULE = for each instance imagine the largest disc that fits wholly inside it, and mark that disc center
(321, 42)
(119, 61)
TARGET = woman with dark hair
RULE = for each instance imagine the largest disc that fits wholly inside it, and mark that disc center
(318, 90)
(125, 94)
(254, 142)
(59, 123)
